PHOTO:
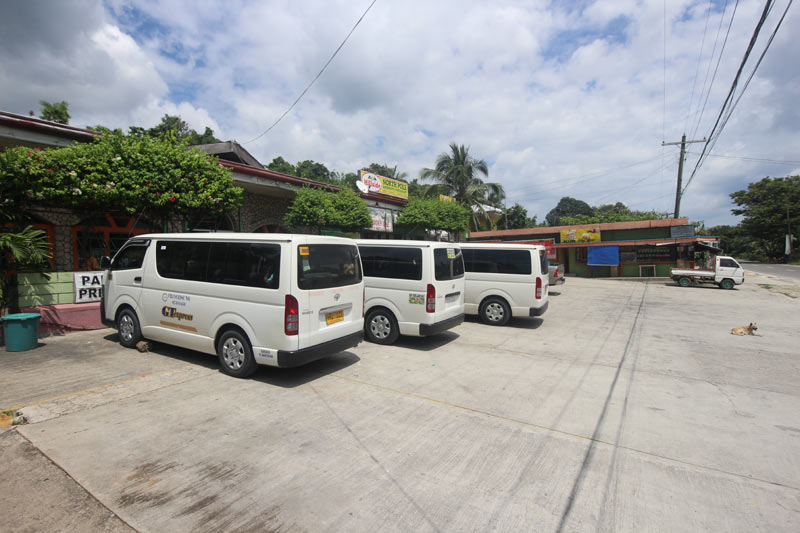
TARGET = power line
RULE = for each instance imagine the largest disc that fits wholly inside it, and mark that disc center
(725, 105)
(697, 70)
(755, 159)
(315, 77)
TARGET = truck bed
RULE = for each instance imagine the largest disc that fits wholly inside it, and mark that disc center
(675, 272)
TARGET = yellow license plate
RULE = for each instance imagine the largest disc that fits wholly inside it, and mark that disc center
(336, 316)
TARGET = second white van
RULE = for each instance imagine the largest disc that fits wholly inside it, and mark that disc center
(412, 288)
(505, 280)
(269, 299)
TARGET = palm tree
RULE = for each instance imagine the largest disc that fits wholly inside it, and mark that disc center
(459, 173)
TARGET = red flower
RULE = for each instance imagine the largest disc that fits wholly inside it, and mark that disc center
(171, 198)
(51, 170)
(30, 153)
(38, 149)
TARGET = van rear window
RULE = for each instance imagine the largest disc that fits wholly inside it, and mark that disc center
(321, 266)
(448, 263)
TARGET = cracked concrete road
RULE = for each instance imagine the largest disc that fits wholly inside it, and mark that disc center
(628, 407)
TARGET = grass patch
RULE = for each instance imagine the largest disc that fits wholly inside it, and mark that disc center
(765, 285)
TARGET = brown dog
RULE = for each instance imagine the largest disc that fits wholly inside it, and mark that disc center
(746, 330)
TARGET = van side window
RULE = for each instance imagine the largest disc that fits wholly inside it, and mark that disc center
(390, 262)
(448, 263)
(249, 264)
(130, 257)
(497, 261)
(728, 263)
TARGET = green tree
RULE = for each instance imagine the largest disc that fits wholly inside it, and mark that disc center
(433, 214)
(158, 177)
(279, 164)
(459, 173)
(515, 217)
(311, 170)
(386, 171)
(771, 208)
(345, 181)
(317, 208)
(176, 126)
(734, 241)
(55, 111)
(21, 249)
(567, 207)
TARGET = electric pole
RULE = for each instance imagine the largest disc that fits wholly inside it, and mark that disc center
(683, 144)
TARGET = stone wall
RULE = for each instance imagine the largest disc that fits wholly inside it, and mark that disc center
(259, 211)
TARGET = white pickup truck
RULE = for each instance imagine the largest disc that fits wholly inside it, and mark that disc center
(727, 273)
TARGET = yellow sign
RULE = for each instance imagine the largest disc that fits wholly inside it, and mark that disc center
(391, 187)
(303, 250)
(580, 235)
(445, 198)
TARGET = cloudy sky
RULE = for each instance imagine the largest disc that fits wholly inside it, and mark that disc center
(559, 98)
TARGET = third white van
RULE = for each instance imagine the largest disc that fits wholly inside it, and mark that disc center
(505, 280)
(412, 288)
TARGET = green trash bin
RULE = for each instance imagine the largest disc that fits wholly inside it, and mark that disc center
(21, 331)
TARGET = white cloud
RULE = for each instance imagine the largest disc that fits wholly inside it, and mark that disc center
(548, 93)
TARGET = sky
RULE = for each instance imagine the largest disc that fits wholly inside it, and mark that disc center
(562, 98)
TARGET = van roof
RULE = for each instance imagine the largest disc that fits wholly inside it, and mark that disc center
(399, 242)
(266, 237)
(502, 245)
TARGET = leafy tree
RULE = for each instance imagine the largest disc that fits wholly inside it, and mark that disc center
(279, 164)
(156, 176)
(311, 170)
(433, 214)
(771, 208)
(515, 217)
(459, 173)
(734, 241)
(567, 207)
(386, 171)
(20, 249)
(55, 111)
(345, 181)
(317, 208)
(174, 125)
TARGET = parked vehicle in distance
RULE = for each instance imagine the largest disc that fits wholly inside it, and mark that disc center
(556, 275)
(505, 280)
(412, 288)
(269, 299)
(726, 273)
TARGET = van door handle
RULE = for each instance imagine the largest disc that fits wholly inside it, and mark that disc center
(137, 279)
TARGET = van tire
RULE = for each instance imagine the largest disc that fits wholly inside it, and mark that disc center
(380, 326)
(235, 354)
(684, 282)
(128, 328)
(727, 284)
(494, 311)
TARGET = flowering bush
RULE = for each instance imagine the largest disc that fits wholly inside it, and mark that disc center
(314, 207)
(117, 171)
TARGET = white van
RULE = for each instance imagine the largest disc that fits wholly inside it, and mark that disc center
(413, 288)
(250, 298)
(505, 280)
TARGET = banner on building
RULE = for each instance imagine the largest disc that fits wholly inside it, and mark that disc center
(374, 183)
(549, 244)
(681, 232)
(88, 286)
(602, 256)
(580, 235)
(382, 219)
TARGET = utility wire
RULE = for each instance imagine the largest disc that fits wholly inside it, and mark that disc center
(755, 159)
(728, 99)
(697, 70)
(711, 60)
(315, 77)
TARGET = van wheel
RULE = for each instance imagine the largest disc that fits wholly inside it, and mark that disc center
(495, 312)
(684, 282)
(381, 327)
(236, 354)
(128, 328)
(726, 284)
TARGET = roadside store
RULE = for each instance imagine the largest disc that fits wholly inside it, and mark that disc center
(644, 248)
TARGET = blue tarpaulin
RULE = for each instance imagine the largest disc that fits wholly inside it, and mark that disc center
(603, 256)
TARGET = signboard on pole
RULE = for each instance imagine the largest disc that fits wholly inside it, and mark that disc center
(382, 219)
(370, 182)
(580, 235)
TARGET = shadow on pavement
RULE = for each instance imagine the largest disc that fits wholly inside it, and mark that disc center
(517, 323)
(294, 377)
(426, 344)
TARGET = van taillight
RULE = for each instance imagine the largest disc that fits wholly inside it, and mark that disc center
(291, 316)
(556, 273)
(430, 305)
(538, 287)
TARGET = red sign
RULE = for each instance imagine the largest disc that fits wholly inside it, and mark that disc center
(547, 243)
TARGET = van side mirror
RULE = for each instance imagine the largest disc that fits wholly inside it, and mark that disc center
(105, 262)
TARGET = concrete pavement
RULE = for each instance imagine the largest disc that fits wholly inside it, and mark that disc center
(629, 406)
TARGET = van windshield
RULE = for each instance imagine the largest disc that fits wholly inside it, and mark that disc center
(448, 263)
(321, 266)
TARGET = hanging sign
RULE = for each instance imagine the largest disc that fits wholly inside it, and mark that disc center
(88, 286)
(374, 183)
